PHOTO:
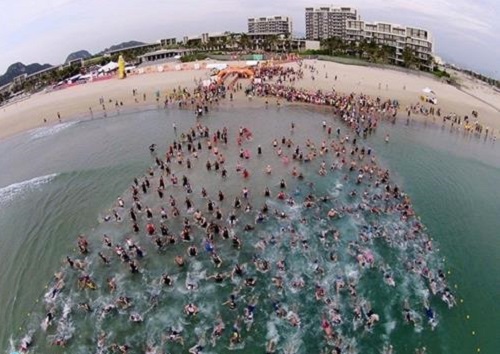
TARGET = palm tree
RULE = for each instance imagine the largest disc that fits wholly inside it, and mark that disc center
(384, 53)
(409, 58)
(244, 41)
(231, 41)
(222, 43)
(364, 48)
(212, 44)
(55, 75)
(333, 45)
(270, 43)
(371, 51)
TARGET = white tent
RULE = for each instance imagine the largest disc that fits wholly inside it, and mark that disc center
(73, 78)
(111, 66)
(428, 91)
(218, 66)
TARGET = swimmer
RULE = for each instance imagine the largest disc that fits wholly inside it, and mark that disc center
(216, 260)
(271, 346)
(237, 270)
(175, 336)
(179, 260)
(85, 306)
(249, 312)
(190, 309)
(124, 302)
(332, 213)
(105, 260)
(135, 317)
(167, 280)
(107, 241)
(47, 321)
(218, 330)
(111, 284)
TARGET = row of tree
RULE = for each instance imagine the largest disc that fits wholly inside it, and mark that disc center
(373, 52)
(236, 41)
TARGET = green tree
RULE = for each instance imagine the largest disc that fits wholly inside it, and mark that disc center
(212, 44)
(409, 57)
(384, 54)
(231, 41)
(222, 43)
(270, 43)
(333, 45)
(244, 42)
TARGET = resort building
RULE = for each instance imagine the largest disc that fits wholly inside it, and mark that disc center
(214, 40)
(132, 49)
(271, 24)
(280, 43)
(395, 36)
(326, 22)
(164, 55)
(165, 42)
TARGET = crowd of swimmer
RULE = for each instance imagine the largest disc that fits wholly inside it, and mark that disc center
(202, 223)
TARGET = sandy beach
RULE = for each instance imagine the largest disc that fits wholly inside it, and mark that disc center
(74, 102)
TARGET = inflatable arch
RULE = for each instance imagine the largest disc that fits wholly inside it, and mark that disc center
(245, 72)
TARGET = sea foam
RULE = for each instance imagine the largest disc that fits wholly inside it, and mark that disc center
(14, 190)
(48, 131)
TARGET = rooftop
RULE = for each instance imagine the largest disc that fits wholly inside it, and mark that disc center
(166, 51)
(132, 47)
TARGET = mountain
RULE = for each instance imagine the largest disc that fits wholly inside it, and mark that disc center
(121, 46)
(81, 54)
(17, 69)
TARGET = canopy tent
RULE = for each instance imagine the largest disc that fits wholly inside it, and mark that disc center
(428, 91)
(218, 66)
(429, 95)
(111, 66)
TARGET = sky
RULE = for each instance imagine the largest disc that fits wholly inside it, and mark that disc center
(46, 31)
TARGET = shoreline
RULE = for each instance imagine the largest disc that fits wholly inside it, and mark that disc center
(74, 103)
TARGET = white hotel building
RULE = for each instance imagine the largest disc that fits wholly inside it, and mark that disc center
(278, 25)
(326, 22)
(396, 36)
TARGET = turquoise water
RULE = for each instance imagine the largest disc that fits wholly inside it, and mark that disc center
(452, 181)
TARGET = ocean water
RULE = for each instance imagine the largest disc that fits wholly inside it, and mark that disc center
(59, 182)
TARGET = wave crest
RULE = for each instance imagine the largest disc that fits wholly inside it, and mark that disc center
(12, 191)
(51, 130)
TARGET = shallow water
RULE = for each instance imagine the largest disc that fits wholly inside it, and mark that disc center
(450, 179)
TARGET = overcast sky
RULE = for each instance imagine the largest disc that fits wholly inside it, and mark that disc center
(466, 32)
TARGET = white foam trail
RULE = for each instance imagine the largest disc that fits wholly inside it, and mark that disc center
(48, 131)
(14, 190)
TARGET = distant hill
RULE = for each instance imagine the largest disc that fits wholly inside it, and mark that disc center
(81, 54)
(17, 69)
(121, 46)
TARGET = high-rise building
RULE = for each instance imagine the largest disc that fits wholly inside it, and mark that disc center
(270, 25)
(395, 36)
(326, 22)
